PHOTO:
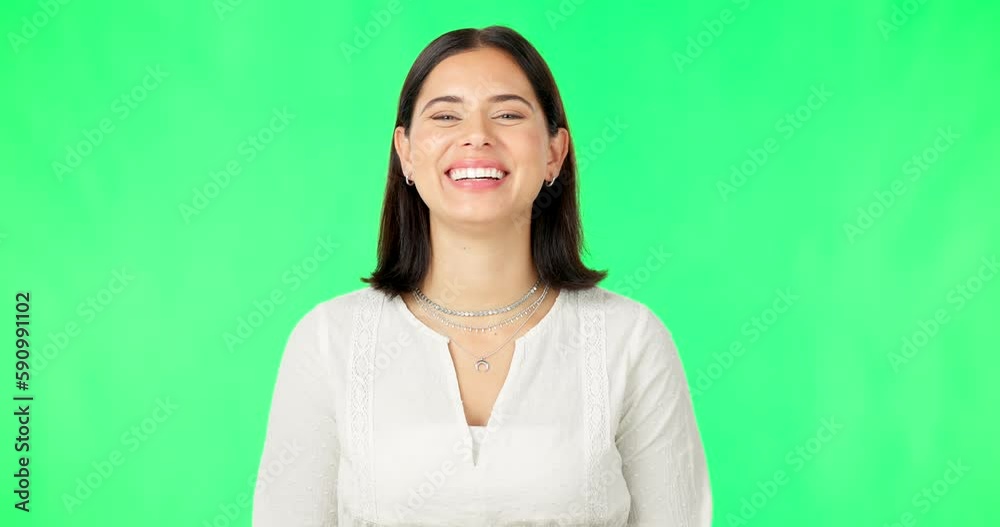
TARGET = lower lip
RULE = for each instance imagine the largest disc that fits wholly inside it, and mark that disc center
(477, 184)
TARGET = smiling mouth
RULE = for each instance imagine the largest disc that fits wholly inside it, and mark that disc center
(460, 174)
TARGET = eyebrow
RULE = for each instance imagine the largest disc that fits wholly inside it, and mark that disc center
(503, 97)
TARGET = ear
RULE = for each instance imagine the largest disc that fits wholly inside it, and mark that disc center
(558, 148)
(402, 145)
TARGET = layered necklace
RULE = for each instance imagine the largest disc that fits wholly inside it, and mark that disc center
(438, 312)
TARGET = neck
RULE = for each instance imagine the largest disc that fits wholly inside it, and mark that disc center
(479, 270)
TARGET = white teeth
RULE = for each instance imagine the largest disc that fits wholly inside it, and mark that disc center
(457, 174)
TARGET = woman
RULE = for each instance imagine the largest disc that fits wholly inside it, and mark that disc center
(482, 378)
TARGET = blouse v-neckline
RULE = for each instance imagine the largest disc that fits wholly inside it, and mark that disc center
(469, 431)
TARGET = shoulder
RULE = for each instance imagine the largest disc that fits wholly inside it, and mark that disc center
(322, 339)
(639, 344)
(339, 314)
(634, 318)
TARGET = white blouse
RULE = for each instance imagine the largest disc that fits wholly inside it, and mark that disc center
(594, 425)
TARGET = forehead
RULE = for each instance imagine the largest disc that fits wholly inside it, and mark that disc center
(477, 74)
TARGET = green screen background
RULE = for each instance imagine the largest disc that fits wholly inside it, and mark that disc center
(866, 215)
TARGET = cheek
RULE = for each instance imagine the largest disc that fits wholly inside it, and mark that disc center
(426, 146)
(530, 152)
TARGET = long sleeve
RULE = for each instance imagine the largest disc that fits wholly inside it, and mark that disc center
(297, 477)
(663, 458)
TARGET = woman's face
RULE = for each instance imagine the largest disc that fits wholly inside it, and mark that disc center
(478, 109)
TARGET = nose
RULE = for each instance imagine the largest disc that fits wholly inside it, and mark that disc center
(477, 133)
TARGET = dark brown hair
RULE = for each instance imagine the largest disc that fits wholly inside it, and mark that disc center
(556, 234)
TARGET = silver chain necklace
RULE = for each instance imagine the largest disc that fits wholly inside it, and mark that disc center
(483, 329)
(482, 365)
(484, 313)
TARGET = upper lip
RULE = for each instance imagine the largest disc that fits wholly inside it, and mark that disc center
(477, 163)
